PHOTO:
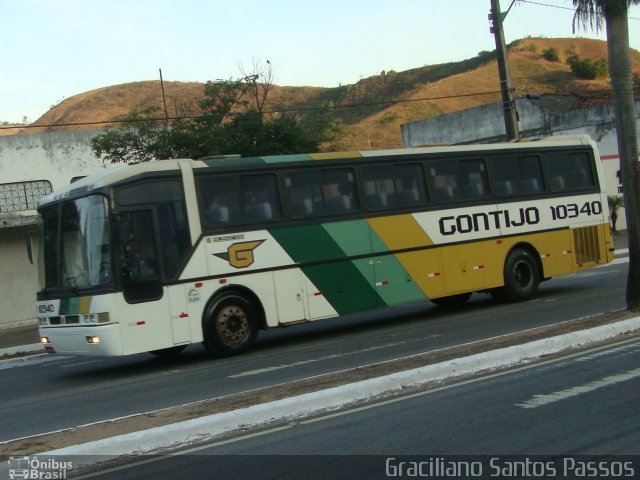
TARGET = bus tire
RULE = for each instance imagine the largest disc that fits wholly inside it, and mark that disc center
(452, 300)
(230, 325)
(521, 277)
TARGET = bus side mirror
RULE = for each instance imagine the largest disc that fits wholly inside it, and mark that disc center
(31, 241)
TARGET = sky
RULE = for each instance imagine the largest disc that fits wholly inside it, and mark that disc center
(55, 49)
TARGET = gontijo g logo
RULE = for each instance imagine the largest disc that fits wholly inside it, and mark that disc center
(240, 255)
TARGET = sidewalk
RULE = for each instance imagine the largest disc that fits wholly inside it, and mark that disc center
(20, 340)
(25, 339)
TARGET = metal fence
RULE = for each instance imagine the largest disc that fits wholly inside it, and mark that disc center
(22, 196)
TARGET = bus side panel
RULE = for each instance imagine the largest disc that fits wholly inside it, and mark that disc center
(393, 282)
(413, 275)
(290, 295)
(145, 326)
(321, 252)
(464, 268)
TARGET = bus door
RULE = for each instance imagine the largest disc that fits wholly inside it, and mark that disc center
(143, 269)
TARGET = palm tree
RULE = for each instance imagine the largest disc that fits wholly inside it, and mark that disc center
(616, 202)
(591, 14)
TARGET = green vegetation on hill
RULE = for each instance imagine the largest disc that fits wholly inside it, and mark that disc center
(367, 114)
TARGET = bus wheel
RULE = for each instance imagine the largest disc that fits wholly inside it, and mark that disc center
(230, 325)
(452, 300)
(521, 278)
(169, 352)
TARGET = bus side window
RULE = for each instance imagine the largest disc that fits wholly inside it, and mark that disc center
(379, 187)
(260, 197)
(530, 175)
(505, 176)
(339, 190)
(474, 182)
(409, 183)
(304, 193)
(445, 180)
(219, 202)
(568, 171)
(516, 175)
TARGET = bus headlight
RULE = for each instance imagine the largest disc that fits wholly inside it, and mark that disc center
(93, 339)
(44, 340)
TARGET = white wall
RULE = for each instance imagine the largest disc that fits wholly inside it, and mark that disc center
(57, 157)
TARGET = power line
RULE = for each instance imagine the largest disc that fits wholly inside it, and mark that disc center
(546, 5)
(559, 6)
(289, 110)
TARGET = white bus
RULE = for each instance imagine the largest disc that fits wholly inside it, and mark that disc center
(160, 255)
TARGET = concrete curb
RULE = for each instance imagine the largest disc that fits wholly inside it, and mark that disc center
(14, 351)
(197, 431)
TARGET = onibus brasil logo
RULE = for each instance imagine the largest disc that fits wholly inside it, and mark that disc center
(38, 468)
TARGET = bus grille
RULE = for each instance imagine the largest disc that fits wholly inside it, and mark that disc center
(586, 244)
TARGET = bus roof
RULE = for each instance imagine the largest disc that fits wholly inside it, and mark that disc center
(230, 161)
(112, 175)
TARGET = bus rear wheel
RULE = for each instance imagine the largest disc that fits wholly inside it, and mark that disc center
(230, 325)
(521, 277)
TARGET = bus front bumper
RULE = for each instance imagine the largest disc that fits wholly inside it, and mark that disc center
(93, 341)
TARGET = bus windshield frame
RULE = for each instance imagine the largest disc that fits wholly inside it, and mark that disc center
(75, 247)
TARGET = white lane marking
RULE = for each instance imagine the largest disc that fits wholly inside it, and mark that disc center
(327, 357)
(617, 261)
(541, 400)
(80, 363)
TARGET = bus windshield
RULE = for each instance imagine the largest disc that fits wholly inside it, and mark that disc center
(75, 251)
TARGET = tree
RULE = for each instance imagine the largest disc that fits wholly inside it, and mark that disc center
(616, 202)
(592, 14)
(586, 68)
(258, 83)
(140, 142)
(551, 55)
(230, 119)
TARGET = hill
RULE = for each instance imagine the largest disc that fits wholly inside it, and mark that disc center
(367, 114)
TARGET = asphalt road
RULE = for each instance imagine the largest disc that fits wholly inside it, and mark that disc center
(41, 394)
(580, 404)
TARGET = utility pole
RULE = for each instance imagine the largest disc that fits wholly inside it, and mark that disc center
(508, 102)
(164, 101)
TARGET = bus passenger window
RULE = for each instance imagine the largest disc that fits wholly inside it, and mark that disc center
(379, 187)
(339, 191)
(530, 175)
(219, 201)
(568, 171)
(304, 193)
(474, 182)
(260, 198)
(444, 177)
(516, 176)
(409, 183)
